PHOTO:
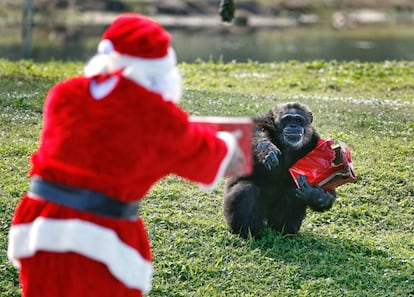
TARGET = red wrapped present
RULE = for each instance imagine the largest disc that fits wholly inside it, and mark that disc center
(328, 165)
(242, 127)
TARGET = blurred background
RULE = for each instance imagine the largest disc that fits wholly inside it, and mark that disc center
(262, 30)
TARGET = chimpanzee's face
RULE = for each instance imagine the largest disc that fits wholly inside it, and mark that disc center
(292, 125)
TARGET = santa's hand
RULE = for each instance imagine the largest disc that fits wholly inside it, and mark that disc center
(236, 157)
(236, 163)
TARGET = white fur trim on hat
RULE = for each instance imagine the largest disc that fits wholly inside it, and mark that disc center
(159, 75)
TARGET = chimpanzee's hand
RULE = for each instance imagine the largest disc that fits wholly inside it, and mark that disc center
(267, 154)
(314, 196)
(226, 10)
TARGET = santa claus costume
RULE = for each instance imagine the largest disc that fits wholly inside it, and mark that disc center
(107, 137)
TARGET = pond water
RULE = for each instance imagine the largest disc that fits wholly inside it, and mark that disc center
(324, 43)
(365, 44)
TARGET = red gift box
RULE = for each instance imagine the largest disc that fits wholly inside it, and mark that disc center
(242, 127)
(328, 165)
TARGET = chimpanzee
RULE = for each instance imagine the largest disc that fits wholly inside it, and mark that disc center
(269, 197)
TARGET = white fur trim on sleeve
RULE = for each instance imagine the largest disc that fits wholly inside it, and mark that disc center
(74, 235)
(231, 143)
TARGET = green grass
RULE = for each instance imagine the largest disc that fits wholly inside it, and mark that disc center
(364, 246)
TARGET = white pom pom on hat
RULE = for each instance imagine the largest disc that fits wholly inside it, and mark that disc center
(105, 47)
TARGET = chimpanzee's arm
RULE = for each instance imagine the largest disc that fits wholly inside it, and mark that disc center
(314, 196)
(265, 152)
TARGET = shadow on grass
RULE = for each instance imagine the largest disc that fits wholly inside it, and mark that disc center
(348, 262)
(275, 244)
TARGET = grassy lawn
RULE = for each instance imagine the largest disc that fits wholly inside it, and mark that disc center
(364, 246)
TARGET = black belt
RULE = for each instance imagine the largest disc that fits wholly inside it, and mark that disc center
(82, 199)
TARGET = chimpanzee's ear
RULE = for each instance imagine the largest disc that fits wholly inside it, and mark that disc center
(310, 117)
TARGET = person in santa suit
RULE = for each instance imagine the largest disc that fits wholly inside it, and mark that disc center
(107, 137)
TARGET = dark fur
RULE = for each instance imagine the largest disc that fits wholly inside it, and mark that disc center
(268, 198)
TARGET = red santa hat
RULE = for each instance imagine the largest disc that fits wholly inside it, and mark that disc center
(138, 36)
(142, 48)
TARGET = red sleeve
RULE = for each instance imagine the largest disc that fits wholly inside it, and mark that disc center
(199, 153)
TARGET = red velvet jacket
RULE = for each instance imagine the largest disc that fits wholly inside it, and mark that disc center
(122, 143)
